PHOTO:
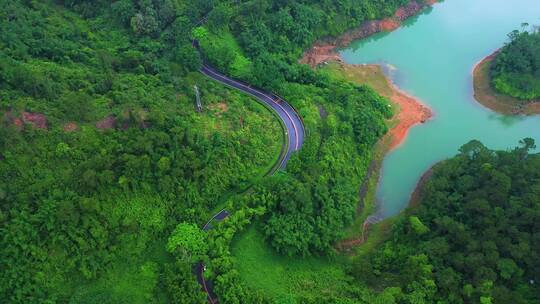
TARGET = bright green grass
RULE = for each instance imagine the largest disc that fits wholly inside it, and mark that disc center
(277, 276)
(130, 279)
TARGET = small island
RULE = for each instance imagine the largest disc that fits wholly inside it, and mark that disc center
(508, 81)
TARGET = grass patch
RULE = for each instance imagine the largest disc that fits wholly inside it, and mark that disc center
(129, 280)
(369, 74)
(277, 276)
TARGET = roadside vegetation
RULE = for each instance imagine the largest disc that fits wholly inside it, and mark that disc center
(107, 172)
(102, 154)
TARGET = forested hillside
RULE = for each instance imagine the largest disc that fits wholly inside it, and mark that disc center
(103, 154)
(516, 69)
(107, 171)
(474, 236)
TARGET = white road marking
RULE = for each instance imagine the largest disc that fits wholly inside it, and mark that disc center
(261, 93)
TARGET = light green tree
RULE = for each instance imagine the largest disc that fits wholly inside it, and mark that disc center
(199, 33)
(418, 226)
(188, 242)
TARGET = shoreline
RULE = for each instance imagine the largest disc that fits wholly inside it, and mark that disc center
(417, 193)
(485, 95)
(409, 112)
(412, 112)
(325, 49)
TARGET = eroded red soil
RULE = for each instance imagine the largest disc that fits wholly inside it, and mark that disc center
(325, 50)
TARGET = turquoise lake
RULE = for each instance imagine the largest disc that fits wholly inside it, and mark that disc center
(432, 57)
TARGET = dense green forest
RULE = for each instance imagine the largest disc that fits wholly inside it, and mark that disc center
(516, 68)
(105, 163)
(107, 172)
(474, 236)
(471, 238)
(102, 154)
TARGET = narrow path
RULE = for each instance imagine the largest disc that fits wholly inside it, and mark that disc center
(294, 133)
(199, 268)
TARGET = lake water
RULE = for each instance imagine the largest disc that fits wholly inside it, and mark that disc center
(433, 56)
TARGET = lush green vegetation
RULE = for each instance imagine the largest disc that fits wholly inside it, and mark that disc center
(474, 237)
(260, 42)
(278, 276)
(283, 279)
(471, 239)
(107, 170)
(516, 69)
(85, 212)
(103, 154)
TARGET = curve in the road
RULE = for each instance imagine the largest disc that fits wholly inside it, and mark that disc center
(294, 125)
(294, 133)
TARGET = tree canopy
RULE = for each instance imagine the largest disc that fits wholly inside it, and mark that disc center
(516, 69)
(474, 236)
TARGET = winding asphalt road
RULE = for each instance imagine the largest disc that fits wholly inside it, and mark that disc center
(294, 133)
(294, 127)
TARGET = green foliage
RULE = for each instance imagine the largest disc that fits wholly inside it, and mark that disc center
(228, 285)
(288, 279)
(477, 217)
(188, 242)
(312, 203)
(181, 284)
(199, 33)
(417, 225)
(226, 55)
(220, 16)
(516, 69)
(122, 284)
(286, 28)
(83, 209)
(188, 58)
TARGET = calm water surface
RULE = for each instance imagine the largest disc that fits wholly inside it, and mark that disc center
(432, 57)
